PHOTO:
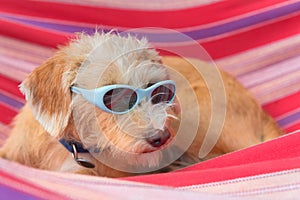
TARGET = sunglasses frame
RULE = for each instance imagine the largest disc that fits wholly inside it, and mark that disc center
(91, 95)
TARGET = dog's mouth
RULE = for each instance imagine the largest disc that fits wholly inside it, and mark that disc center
(159, 140)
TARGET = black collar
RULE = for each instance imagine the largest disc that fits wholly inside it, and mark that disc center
(68, 144)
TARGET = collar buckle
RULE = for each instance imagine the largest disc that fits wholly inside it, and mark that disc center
(74, 148)
(81, 161)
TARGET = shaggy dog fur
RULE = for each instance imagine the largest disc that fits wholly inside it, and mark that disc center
(53, 112)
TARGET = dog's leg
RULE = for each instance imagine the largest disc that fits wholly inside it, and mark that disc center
(30, 145)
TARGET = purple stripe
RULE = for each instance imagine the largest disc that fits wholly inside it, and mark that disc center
(49, 25)
(10, 101)
(10, 193)
(170, 37)
(289, 119)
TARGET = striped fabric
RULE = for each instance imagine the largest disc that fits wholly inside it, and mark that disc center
(229, 177)
(256, 41)
(246, 39)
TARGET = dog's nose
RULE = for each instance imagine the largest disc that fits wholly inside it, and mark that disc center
(159, 138)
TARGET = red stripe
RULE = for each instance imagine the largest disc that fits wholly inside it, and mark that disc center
(33, 34)
(216, 48)
(135, 18)
(260, 159)
(282, 106)
(7, 114)
(280, 148)
(10, 86)
(195, 177)
(292, 128)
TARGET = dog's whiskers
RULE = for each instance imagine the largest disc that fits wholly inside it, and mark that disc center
(172, 116)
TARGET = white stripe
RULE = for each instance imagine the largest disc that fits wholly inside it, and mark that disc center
(262, 183)
(139, 5)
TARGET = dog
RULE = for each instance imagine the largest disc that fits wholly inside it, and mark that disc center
(109, 105)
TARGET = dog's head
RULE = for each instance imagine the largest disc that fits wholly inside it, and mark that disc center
(56, 92)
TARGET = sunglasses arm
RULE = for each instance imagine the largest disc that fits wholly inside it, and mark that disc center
(76, 90)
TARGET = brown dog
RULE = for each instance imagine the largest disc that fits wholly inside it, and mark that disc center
(132, 123)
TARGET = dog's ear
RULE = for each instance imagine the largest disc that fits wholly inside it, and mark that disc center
(47, 91)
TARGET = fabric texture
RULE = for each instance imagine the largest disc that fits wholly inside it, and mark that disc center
(256, 41)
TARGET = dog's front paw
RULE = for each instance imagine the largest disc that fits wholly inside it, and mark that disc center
(85, 172)
(2, 154)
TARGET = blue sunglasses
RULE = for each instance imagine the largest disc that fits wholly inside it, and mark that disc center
(121, 99)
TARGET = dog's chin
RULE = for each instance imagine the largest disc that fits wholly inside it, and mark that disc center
(152, 157)
(149, 159)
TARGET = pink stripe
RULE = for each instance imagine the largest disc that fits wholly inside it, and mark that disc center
(4, 132)
(23, 50)
(270, 73)
(17, 64)
(259, 57)
(13, 74)
(277, 84)
(265, 96)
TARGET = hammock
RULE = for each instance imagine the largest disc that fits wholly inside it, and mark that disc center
(256, 41)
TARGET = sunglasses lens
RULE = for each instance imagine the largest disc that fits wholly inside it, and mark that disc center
(163, 93)
(120, 99)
